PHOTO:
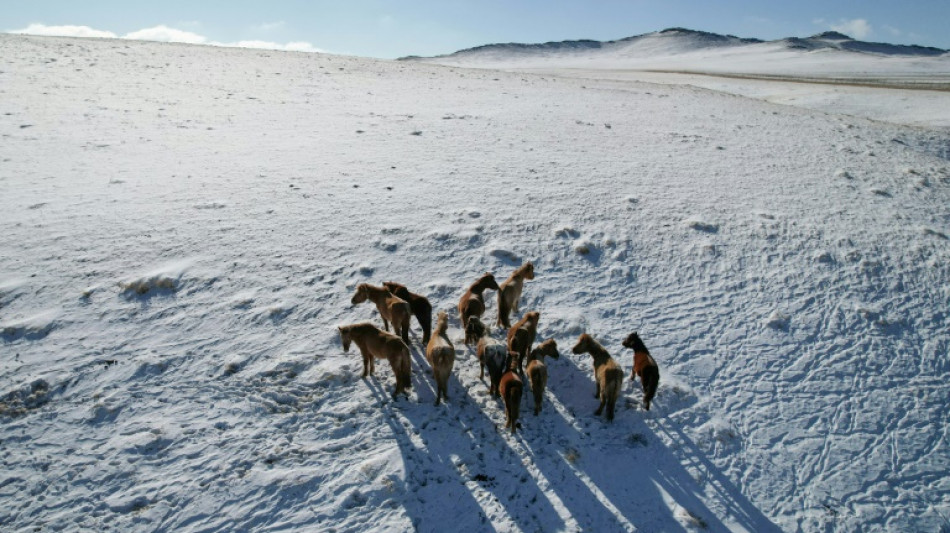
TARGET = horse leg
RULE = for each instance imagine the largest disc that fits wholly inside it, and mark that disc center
(597, 389)
(502, 312)
(366, 362)
(386, 324)
(603, 401)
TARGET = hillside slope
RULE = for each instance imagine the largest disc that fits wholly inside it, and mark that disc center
(184, 228)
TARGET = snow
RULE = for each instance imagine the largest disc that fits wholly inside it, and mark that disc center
(183, 228)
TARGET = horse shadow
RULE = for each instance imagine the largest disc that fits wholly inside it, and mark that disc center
(457, 458)
(620, 475)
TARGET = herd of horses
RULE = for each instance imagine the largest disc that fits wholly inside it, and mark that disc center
(509, 362)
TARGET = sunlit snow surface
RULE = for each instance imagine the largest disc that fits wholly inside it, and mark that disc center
(183, 228)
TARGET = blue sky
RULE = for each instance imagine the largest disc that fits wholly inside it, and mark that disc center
(391, 29)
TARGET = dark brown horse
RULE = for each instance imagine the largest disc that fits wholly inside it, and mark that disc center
(419, 305)
(509, 293)
(608, 375)
(643, 366)
(511, 388)
(521, 337)
(472, 302)
(376, 344)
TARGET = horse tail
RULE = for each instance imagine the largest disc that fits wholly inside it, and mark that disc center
(513, 401)
(425, 320)
(613, 381)
(650, 381)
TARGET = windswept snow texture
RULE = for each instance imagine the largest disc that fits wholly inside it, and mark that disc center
(183, 228)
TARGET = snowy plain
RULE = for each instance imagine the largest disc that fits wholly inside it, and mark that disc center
(183, 228)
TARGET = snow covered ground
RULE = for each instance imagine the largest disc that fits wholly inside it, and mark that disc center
(183, 227)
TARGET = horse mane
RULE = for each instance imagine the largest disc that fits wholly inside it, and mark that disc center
(442, 323)
(397, 289)
(522, 270)
(359, 328)
(544, 348)
(480, 283)
(594, 347)
(511, 362)
(634, 342)
(476, 327)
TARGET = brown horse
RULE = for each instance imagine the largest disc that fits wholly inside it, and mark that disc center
(538, 372)
(509, 293)
(511, 388)
(472, 302)
(607, 373)
(521, 336)
(643, 366)
(441, 356)
(376, 344)
(390, 307)
(419, 305)
(491, 353)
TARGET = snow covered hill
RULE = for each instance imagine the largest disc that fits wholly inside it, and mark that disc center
(681, 40)
(184, 226)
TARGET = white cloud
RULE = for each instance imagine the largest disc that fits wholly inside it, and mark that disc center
(298, 46)
(857, 28)
(65, 31)
(165, 34)
(893, 31)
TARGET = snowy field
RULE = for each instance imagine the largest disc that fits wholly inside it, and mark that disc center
(183, 228)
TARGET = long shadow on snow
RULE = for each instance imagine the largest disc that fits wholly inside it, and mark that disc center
(624, 464)
(462, 455)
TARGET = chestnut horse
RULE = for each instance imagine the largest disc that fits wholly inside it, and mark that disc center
(390, 307)
(376, 344)
(509, 293)
(472, 302)
(491, 353)
(511, 388)
(521, 337)
(538, 372)
(419, 305)
(608, 375)
(643, 366)
(441, 356)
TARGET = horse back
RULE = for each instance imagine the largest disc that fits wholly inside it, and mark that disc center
(642, 361)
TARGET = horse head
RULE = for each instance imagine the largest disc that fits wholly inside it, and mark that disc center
(361, 294)
(584, 343)
(345, 338)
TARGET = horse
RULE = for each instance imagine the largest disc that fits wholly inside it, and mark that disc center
(511, 388)
(390, 307)
(472, 302)
(608, 375)
(377, 344)
(643, 366)
(491, 353)
(538, 372)
(509, 293)
(441, 356)
(419, 305)
(521, 336)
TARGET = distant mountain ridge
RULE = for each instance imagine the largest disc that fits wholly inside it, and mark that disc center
(683, 39)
